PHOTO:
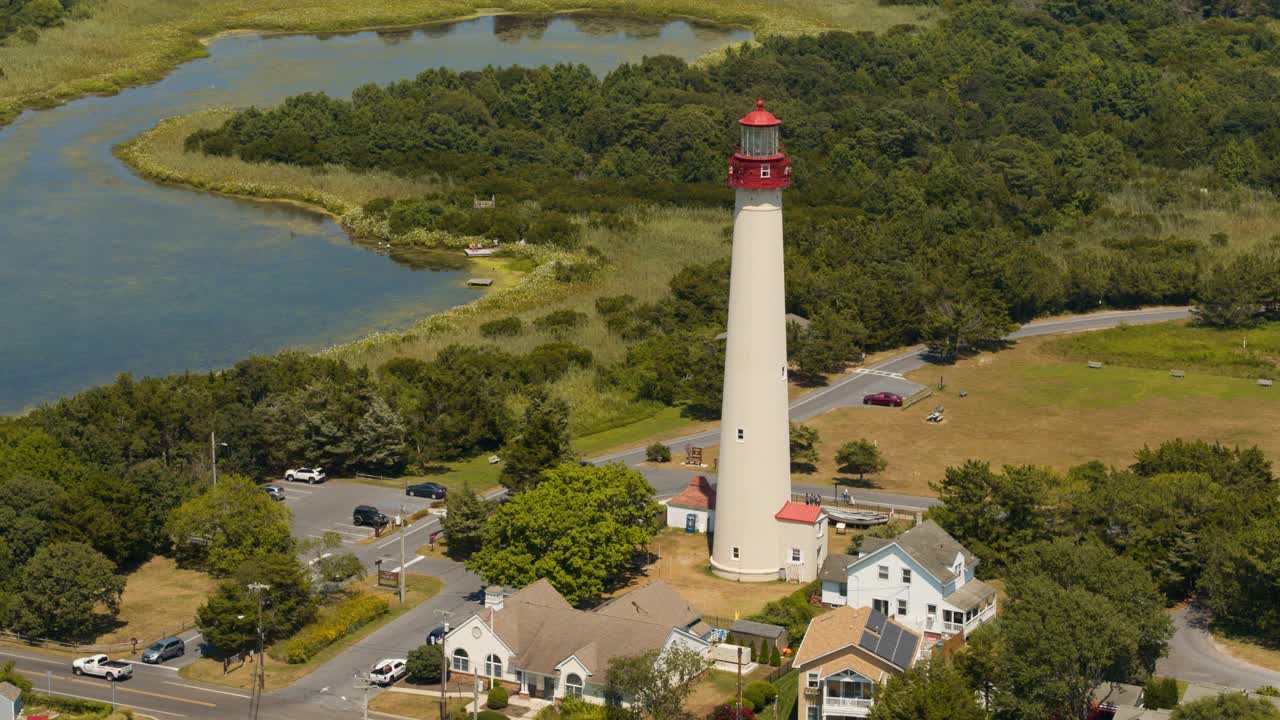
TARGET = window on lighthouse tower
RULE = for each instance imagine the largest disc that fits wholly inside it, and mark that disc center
(764, 171)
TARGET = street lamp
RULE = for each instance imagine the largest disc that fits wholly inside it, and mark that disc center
(213, 455)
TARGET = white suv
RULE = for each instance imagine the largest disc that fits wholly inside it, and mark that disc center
(388, 671)
(311, 476)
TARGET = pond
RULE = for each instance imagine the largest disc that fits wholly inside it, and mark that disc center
(104, 273)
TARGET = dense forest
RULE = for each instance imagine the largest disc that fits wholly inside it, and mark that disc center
(23, 19)
(929, 163)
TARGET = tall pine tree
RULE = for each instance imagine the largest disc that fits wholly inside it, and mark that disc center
(464, 522)
(543, 442)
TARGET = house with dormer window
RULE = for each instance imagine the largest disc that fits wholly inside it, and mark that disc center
(536, 644)
(845, 655)
(923, 579)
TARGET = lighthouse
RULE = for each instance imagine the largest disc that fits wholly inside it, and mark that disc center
(759, 534)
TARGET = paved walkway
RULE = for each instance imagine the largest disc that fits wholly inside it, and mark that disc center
(1195, 657)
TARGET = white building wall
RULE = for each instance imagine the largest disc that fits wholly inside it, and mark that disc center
(478, 648)
(676, 518)
(866, 586)
(755, 471)
(810, 540)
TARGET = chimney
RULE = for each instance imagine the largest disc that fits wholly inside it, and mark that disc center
(493, 597)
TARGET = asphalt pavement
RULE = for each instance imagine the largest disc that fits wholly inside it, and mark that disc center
(1195, 657)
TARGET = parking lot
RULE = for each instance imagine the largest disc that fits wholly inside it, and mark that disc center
(327, 506)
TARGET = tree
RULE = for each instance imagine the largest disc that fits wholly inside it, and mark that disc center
(1231, 296)
(1160, 693)
(862, 457)
(657, 452)
(1242, 576)
(61, 588)
(579, 528)
(993, 514)
(1227, 706)
(1075, 616)
(542, 443)
(229, 618)
(231, 523)
(953, 325)
(425, 663)
(657, 683)
(804, 447)
(340, 567)
(932, 690)
(980, 661)
(464, 522)
(379, 439)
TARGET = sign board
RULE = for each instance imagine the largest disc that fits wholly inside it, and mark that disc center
(232, 662)
(389, 578)
(692, 455)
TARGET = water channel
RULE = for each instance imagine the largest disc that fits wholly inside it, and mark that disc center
(102, 272)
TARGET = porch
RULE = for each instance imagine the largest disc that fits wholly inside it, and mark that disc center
(844, 695)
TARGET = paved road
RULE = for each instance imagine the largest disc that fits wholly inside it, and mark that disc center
(1193, 656)
(849, 389)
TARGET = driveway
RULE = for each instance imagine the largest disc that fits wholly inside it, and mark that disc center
(1195, 657)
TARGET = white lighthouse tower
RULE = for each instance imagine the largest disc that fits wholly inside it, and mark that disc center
(754, 535)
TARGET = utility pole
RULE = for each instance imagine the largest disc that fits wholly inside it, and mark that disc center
(475, 698)
(400, 575)
(364, 685)
(213, 455)
(255, 699)
(740, 683)
(444, 667)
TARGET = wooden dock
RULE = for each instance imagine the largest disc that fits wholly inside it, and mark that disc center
(480, 282)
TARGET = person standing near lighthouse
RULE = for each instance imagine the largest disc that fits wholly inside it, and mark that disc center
(751, 542)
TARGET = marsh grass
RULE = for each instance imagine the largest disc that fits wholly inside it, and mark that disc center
(131, 42)
(1195, 207)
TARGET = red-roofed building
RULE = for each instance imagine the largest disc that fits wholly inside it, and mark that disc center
(800, 513)
(694, 509)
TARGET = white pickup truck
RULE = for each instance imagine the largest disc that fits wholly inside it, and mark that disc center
(102, 666)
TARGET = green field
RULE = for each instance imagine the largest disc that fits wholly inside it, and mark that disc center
(1247, 353)
(1031, 405)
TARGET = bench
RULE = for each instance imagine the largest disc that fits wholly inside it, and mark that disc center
(1178, 373)
(1264, 382)
(1095, 364)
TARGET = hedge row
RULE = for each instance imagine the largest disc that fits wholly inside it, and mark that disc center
(345, 618)
(83, 708)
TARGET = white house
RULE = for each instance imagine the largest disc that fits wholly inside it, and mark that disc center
(10, 702)
(845, 655)
(694, 509)
(923, 579)
(535, 643)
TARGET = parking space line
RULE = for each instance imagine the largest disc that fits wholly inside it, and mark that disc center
(205, 689)
(420, 526)
(293, 489)
(420, 557)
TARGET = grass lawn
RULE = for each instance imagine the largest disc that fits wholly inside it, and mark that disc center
(424, 707)
(1029, 405)
(477, 472)
(1254, 651)
(717, 687)
(159, 599)
(684, 562)
(1250, 353)
(664, 424)
(419, 589)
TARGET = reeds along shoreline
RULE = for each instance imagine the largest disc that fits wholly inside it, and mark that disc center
(132, 42)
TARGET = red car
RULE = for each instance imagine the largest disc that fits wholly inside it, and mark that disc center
(886, 399)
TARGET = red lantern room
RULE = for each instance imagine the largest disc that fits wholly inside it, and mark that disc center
(759, 163)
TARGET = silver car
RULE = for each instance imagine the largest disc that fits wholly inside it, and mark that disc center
(275, 491)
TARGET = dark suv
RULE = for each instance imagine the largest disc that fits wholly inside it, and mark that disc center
(368, 515)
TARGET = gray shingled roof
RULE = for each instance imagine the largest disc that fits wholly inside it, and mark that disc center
(872, 544)
(9, 692)
(973, 593)
(836, 568)
(749, 627)
(934, 549)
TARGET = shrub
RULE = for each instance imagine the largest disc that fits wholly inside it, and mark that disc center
(1269, 691)
(1160, 693)
(753, 696)
(728, 711)
(614, 304)
(767, 692)
(657, 452)
(752, 646)
(502, 327)
(560, 320)
(343, 619)
(775, 658)
(425, 663)
(497, 698)
(490, 715)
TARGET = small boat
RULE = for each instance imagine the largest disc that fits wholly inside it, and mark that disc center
(853, 517)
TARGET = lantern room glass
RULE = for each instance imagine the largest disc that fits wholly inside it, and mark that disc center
(759, 141)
